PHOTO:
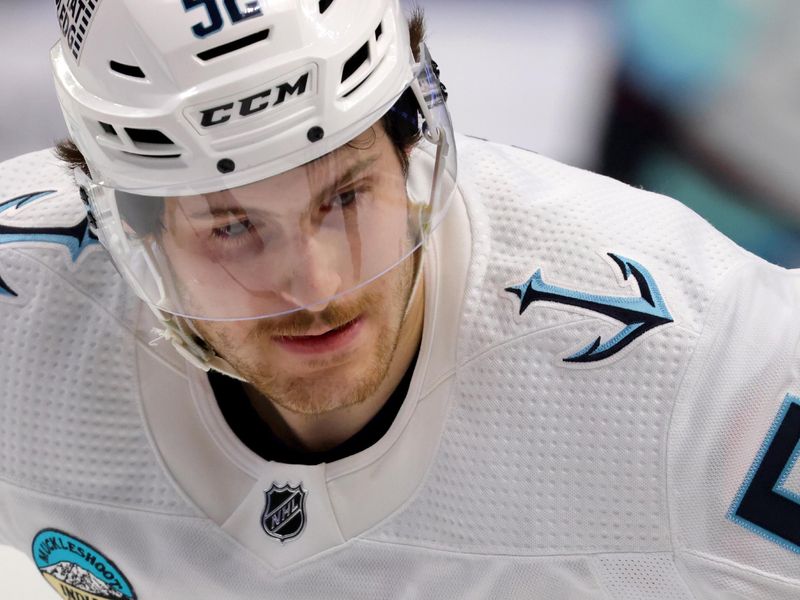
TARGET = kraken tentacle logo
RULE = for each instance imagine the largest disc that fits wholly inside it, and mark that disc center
(75, 237)
(284, 516)
(5, 289)
(76, 570)
(21, 201)
(638, 314)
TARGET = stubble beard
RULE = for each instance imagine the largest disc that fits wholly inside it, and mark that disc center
(328, 387)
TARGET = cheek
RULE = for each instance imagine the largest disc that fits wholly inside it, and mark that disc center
(229, 338)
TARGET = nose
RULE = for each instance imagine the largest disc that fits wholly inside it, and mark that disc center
(311, 275)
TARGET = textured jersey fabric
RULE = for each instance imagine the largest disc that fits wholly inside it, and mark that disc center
(560, 447)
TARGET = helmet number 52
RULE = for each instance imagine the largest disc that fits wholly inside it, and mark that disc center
(236, 13)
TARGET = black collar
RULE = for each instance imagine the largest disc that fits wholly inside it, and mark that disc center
(254, 433)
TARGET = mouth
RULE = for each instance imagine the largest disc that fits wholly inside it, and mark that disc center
(325, 341)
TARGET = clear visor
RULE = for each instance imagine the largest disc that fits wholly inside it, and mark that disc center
(294, 241)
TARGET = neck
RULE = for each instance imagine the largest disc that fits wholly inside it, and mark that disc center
(319, 433)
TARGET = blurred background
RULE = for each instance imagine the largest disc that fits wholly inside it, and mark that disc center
(697, 100)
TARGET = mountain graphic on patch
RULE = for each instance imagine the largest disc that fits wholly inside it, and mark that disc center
(76, 570)
(81, 579)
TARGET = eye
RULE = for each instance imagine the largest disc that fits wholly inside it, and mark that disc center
(345, 198)
(233, 230)
(236, 240)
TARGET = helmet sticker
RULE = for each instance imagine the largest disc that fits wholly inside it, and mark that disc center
(214, 12)
(294, 86)
(74, 18)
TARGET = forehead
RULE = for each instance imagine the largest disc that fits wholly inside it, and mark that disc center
(370, 154)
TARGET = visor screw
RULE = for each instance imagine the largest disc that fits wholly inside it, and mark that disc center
(315, 134)
(226, 165)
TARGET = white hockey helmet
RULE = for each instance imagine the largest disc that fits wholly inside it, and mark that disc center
(243, 129)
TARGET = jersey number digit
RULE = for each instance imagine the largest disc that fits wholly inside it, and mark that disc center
(201, 30)
(764, 504)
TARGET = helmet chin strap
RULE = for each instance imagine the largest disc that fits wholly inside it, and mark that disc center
(417, 257)
(188, 342)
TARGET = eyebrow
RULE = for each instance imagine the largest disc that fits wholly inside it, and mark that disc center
(237, 209)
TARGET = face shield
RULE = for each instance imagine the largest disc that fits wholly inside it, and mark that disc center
(296, 240)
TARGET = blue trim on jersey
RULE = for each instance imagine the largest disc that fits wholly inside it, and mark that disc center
(75, 237)
(7, 291)
(74, 245)
(779, 489)
(20, 201)
(765, 534)
(609, 345)
(657, 309)
(638, 314)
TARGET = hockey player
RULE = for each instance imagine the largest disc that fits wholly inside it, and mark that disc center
(532, 383)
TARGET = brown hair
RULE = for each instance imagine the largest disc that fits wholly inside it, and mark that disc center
(400, 123)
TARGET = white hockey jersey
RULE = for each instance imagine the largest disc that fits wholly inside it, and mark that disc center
(606, 405)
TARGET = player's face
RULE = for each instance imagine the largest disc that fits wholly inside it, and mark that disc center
(331, 353)
(313, 362)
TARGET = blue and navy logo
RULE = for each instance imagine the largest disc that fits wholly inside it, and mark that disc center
(75, 237)
(765, 504)
(214, 10)
(77, 570)
(638, 314)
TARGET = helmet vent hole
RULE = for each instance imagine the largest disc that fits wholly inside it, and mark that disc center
(109, 129)
(147, 136)
(379, 31)
(233, 46)
(127, 70)
(355, 89)
(159, 156)
(324, 5)
(354, 62)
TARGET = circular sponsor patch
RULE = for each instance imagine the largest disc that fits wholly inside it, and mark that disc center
(77, 570)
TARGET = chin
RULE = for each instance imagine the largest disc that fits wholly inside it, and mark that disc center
(322, 385)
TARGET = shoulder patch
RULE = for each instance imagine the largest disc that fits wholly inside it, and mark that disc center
(15, 227)
(77, 570)
(20, 201)
(638, 314)
(75, 235)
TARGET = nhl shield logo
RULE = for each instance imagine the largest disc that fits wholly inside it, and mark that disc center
(285, 514)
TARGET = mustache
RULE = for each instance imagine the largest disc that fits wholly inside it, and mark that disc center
(298, 323)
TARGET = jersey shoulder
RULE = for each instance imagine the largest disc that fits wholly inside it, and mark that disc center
(37, 173)
(719, 358)
(589, 320)
(41, 213)
(68, 362)
(577, 241)
(735, 441)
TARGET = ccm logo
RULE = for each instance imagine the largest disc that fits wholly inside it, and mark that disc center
(256, 103)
